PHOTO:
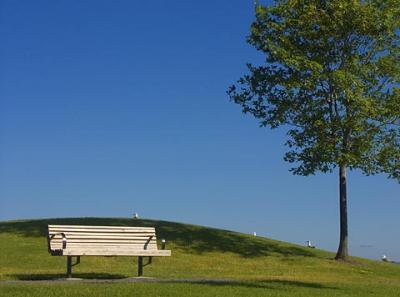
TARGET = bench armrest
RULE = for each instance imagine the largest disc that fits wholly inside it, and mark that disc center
(64, 240)
(147, 242)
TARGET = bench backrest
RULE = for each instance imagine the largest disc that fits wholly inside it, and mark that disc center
(138, 238)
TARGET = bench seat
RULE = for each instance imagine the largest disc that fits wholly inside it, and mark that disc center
(114, 252)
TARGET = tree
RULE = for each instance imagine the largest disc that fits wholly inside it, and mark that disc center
(332, 76)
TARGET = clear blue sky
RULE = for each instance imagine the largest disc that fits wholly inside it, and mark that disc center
(114, 107)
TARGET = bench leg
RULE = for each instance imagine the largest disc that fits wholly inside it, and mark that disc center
(69, 266)
(150, 260)
(140, 266)
(78, 260)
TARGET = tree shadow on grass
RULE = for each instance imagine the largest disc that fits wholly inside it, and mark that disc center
(117, 278)
(190, 238)
(262, 284)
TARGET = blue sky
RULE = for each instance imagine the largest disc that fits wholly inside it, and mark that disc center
(113, 107)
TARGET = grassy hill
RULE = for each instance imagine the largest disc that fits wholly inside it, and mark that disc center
(201, 257)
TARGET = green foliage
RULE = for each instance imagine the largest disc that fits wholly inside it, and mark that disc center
(332, 74)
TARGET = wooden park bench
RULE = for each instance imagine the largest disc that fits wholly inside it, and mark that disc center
(77, 241)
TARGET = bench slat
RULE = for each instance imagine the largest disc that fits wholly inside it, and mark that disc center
(125, 245)
(112, 246)
(100, 227)
(106, 236)
(104, 240)
(114, 252)
(132, 239)
(56, 230)
(109, 235)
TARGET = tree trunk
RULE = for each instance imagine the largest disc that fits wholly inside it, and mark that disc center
(343, 251)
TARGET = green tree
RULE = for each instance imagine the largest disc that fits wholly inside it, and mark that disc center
(332, 76)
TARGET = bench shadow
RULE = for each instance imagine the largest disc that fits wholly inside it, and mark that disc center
(56, 276)
(191, 238)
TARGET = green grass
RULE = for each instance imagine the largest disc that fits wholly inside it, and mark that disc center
(255, 266)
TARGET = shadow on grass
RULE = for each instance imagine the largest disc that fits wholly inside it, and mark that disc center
(192, 239)
(56, 276)
(110, 278)
(264, 284)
